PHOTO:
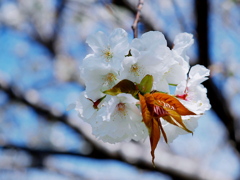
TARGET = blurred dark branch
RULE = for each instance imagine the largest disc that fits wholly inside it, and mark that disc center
(40, 154)
(218, 102)
(98, 151)
(58, 17)
(137, 18)
(43, 152)
(50, 43)
(38, 159)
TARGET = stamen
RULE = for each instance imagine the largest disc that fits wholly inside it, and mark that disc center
(121, 107)
(135, 69)
(110, 78)
(108, 55)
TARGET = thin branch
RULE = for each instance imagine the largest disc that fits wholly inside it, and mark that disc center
(149, 22)
(138, 14)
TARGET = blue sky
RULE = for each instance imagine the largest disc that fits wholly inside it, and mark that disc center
(28, 65)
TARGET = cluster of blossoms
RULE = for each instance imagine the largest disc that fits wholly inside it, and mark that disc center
(140, 89)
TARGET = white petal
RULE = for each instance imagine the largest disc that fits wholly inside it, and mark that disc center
(97, 41)
(116, 125)
(173, 131)
(181, 87)
(84, 106)
(176, 74)
(153, 38)
(99, 78)
(181, 43)
(198, 74)
(161, 85)
(118, 39)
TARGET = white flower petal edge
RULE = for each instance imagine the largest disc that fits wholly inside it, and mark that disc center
(85, 109)
(181, 44)
(147, 42)
(155, 62)
(119, 120)
(178, 71)
(193, 95)
(98, 42)
(99, 78)
(110, 49)
(198, 74)
(173, 132)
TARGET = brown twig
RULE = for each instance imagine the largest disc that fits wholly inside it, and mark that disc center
(138, 14)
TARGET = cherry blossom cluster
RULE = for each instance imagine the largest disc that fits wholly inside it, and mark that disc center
(116, 74)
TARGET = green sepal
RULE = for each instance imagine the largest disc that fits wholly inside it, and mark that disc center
(172, 84)
(146, 84)
(124, 86)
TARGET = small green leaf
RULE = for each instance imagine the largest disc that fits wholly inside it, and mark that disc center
(124, 86)
(172, 84)
(146, 84)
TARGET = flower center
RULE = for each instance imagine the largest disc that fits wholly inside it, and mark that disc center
(121, 107)
(135, 69)
(109, 79)
(108, 54)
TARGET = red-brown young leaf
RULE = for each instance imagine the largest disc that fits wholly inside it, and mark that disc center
(154, 138)
(162, 130)
(174, 109)
(152, 122)
(157, 105)
(150, 101)
(173, 103)
(147, 118)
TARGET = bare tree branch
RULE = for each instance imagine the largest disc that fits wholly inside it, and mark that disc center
(146, 18)
(218, 102)
(138, 14)
(39, 156)
(98, 150)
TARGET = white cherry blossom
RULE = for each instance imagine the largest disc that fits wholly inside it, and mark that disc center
(150, 55)
(84, 107)
(193, 95)
(117, 117)
(147, 42)
(178, 71)
(98, 77)
(110, 49)
(119, 120)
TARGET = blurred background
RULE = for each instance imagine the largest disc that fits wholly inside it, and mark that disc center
(42, 44)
